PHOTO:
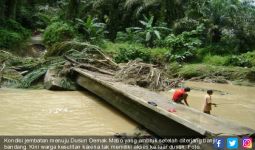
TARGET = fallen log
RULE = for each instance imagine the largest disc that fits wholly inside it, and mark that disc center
(87, 66)
(91, 68)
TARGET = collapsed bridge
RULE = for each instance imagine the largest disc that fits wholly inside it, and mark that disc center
(135, 102)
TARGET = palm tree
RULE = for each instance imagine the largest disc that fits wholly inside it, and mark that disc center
(2, 9)
(114, 14)
(8, 9)
(166, 10)
(73, 9)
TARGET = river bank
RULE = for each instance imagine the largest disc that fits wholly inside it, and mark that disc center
(28, 72)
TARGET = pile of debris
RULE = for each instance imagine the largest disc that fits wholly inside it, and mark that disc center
(134, 72)
(57, 71)
(142, 74)
(22, 72)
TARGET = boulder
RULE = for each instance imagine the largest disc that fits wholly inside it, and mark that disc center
(52, 81)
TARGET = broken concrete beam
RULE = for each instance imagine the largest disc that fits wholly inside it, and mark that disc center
(53, 82)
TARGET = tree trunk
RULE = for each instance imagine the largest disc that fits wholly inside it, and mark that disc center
(2, 9)
(72, 10)
(31, 3)
(11, 9)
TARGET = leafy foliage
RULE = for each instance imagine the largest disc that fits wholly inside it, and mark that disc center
(185, 24)
(164, 10)
(10, 39)
(12, 34)
(216, 60)
(58, 32)
(149, 31)
(129, 36)
(230, 22)
(132, 53)
(204, 70)
(32, 76)
(90, 29)
(244, 60)
(183, 45)
(59, 49)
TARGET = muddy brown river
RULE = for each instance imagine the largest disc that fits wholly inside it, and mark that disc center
(236, 103)
(42, 112)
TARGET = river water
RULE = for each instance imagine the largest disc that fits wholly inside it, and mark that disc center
(236, 103)
(42, 112)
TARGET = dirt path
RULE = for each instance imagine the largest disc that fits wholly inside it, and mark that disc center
(36, 39)
(36, 47)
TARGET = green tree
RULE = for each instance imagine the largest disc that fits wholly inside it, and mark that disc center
(111, 11)
(72, 9)
(165, 10)
(2, 9)
(11, 6)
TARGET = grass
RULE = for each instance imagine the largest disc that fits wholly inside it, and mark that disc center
(211, 64)
(216, 60)
(188, 71)
(157, 55)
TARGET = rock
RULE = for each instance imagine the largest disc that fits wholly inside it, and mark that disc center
(251, 75)
(220, 79)
(10, 78)
(53, 82)
(216, 79)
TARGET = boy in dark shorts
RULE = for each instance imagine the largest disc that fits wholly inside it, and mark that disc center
(207, 106)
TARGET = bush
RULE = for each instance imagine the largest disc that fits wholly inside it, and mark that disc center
(9, 39)
(12, 34)
(132, 53)
(250, 56)
(40, 21)
(189, 71)
(244, 60)
(113, 48)
(183, 46)
(158, 55)
(129, 36)
(173, 69)
(202, 70)
(155, 55)
(240, 61)
(58, 32)
(15, 26)
(216, 60)
(150, 32)
(185, 24)
(91, 30)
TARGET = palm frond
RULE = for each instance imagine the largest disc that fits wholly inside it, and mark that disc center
(130, 3)
(32, 76)
(99, 3)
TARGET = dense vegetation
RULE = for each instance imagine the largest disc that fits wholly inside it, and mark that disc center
(177, 34)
